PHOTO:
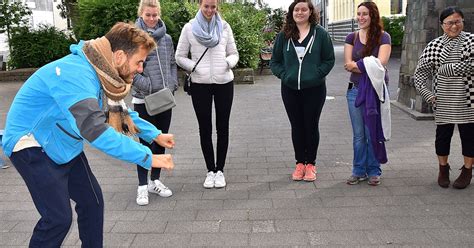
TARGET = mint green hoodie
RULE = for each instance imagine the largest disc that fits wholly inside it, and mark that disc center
(311, 71)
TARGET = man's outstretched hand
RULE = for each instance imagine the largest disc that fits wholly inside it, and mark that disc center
(164, 161)
(165, 140)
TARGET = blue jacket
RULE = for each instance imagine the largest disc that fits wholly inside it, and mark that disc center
(61, 105)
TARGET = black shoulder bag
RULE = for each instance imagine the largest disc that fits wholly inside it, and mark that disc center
(187, 80)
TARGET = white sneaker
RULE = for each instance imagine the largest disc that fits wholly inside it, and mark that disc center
(209, 182)
(219, 180)
(159, 188)
(142, 195)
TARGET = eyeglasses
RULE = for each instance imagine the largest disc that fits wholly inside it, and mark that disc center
(451, 23)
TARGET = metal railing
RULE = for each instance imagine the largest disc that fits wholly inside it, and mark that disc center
(339, 30)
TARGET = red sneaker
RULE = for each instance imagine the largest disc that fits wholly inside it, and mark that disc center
(310, 173)
(298, 174)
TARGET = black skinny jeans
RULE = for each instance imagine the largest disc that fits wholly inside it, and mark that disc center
(202, 96)
(303, 108)
(161, 121)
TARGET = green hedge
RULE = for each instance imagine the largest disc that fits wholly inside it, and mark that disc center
(175, 15)
(247, 24)
(37, 47)
(34, 48)
(395, 26)
(96, 17)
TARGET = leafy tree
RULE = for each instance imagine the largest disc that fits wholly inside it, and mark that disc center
(247, 23)
(277, 19)
(274, 23)
(37, 47)
(69, 11)
(13, 16)
(395, 26)
(96, 17)
(175, 14)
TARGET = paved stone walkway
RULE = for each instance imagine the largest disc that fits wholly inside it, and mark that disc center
(261, 205)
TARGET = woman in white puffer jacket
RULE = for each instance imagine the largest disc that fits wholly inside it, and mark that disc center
(212, 79)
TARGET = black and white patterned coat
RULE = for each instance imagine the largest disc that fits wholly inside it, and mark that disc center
(450, 62)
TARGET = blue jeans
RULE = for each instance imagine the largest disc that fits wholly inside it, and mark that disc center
(364, 162)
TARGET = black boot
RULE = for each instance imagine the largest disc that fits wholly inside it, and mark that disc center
(443, 176)
(464, 178)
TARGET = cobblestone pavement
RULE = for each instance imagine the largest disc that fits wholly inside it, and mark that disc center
(261, 205)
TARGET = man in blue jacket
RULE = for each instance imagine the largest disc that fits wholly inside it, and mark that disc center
(77, 99)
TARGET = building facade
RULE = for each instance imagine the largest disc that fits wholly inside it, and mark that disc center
(342, 10)
(341, 14)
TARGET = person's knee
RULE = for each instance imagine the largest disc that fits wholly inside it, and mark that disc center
(359, 139)
(205, 131)
(62, 222)
(222, 132)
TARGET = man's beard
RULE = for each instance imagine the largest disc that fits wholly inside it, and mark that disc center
(125, 74)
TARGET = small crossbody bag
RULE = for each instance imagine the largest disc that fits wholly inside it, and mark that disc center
(187, 80)
(161, 100)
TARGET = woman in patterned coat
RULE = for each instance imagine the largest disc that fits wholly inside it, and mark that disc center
(449, 59)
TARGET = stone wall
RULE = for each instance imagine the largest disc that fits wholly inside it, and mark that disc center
(16, 75)
(422, 26)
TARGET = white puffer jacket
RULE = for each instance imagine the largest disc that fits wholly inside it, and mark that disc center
(215, 66)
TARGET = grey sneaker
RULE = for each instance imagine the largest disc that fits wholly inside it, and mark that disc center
(374, 180)
(353, 180)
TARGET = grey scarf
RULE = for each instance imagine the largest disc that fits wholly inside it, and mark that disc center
(207, 33)
(156, 32)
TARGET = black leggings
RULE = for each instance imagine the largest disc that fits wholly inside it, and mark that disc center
(444, 133)
(303, 108)
(162, 122)
(202, 96)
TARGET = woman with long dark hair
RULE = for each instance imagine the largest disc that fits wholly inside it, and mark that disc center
(369, 40)
(303, 55)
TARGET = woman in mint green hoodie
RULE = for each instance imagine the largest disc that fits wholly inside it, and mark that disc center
(303, 55)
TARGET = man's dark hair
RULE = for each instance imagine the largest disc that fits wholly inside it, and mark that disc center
(127, 37)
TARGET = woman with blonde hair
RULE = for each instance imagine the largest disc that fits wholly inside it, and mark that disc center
(159, 71)
(209, 37)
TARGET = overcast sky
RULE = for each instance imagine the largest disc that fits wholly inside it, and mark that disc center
(279, 3)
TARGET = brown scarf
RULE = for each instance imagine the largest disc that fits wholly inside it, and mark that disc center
(99, 53)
